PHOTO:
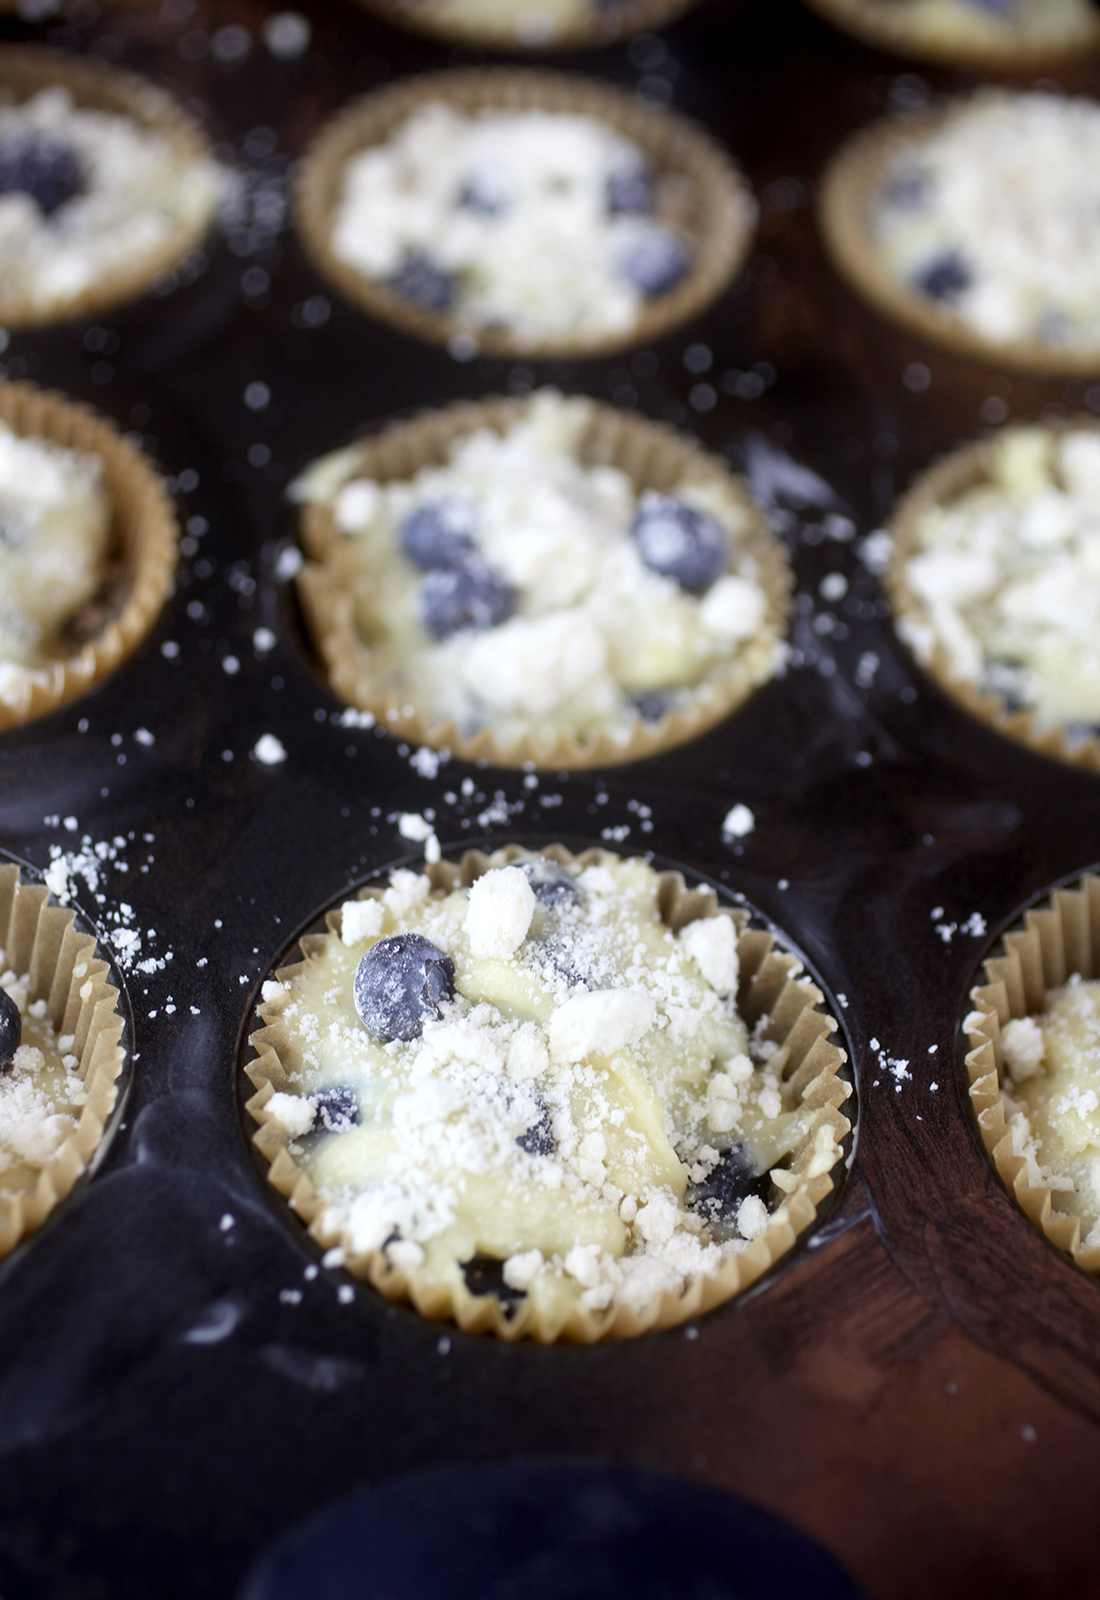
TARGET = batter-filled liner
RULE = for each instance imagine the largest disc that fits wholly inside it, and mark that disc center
(143, 557)
(1056, 940)
(71, 986)
(654, 457)
(768, 988)
(713, 205)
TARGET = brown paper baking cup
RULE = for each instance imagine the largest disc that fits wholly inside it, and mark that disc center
(40, 940)
(769, 987)
(715, 208)
(944, 482)
(882, 26)
(654, 457)
(24, 72)
(1055, 941)
(845, 202)
(603, 27)
(144, 539)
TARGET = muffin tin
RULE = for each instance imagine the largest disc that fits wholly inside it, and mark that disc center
(181, 1378)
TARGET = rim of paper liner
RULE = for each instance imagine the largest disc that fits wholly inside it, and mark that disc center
(40, 939)
(768, 985)
(942, 483)
(1057, 939)
(144, 534)
(872, 23)
(654, 456)
(26, 69)
(720, 219)
(850, 182)
(631, 17)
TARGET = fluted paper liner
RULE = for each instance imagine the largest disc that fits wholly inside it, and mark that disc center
(654, 457)
(713, 204)
(144, 534)
(24, 71)
(847, 196)
(601, 28)
(40, 939)
(877, 24)
(1055, 941)
(944, 482)
(768, 985)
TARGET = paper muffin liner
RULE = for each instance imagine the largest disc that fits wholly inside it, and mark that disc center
(654, 457)
(768, 987)
(24, 71)
(879, 25)
(845, 199)
(144, 538)
(942, 483)
(601, 28)
(714, 205)
(40, 940)
(1056, 940)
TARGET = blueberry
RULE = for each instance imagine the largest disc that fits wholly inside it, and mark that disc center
(999, 8)
(908, 190)
(630, 188)
(399, 984)
(485, 1275)
(731, 1180)
(653, 259)
(478, 194)
(423, 283)
(944, 277)
(49, 172)
(11, 1030)
(470, 596)
(679, 541)
(538, 1139)
(651, 707)
(336, 1108)
(438, 533)
(552, 883)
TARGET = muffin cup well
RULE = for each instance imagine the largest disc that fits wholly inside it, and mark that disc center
(769, 987)
(602, 28)
(964, 469)
(26, 70)
(877, 24)
(40, 940)
(654, 457)
(845, 198)
(1056, 940)
(715, 207)
(144, 543)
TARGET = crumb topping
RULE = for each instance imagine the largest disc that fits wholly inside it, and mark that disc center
(540, 222)
(1007, 578)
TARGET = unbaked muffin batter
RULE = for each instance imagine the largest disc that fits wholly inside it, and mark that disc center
(529, 22)
(1052, 1101)
(83, 193)
(518, 589)
(1036, 25)
(993, 218)
(539, 222)
(1007, 578)
(55, 529)
(40, 1088)
(535, 1075)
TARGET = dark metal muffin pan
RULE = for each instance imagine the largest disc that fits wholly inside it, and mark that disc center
(918, 1386)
